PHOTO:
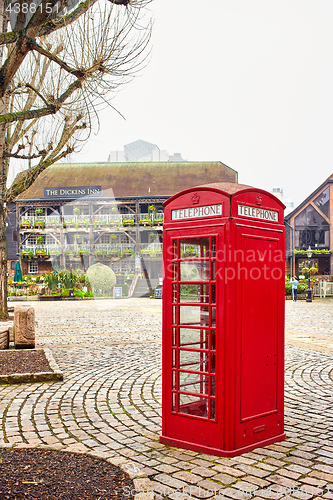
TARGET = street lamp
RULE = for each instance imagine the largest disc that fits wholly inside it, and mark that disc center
(309, 254)
(71, 293)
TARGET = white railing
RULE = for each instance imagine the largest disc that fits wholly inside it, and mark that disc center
(45, 248)
(323, 289)
(104, 247)
(104, 219)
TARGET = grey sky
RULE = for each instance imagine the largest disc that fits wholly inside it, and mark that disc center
(246, 82)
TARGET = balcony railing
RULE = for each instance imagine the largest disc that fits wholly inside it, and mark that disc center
(105, 248)
(109, 220)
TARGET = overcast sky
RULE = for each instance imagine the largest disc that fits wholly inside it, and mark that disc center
(246, 82)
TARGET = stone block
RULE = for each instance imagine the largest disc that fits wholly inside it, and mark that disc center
(4, 338)
(24, 326)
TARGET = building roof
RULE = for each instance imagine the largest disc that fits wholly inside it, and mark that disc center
(329, 180)
(130, 179)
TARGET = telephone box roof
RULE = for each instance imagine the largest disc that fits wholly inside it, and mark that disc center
(230, 188)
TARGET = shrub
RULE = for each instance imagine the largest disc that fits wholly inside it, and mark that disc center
(101, 278)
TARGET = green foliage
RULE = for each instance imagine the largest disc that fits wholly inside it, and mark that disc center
(128, 222)
(144, 222)
(101, 278)
(51, 281)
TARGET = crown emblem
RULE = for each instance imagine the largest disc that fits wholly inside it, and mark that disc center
(259, 200)
(195, 199)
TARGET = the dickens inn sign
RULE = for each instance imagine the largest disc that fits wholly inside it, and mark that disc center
(72, 192)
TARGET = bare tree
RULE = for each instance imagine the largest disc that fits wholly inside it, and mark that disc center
(60, 63)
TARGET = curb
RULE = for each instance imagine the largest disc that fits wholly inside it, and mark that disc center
(22, 378)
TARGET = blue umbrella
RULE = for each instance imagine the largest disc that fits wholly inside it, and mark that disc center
(18, 272)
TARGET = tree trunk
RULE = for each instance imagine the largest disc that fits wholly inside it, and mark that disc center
(3, 264)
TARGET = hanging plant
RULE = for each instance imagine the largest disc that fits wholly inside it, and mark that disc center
(76, 211)
(39, 211)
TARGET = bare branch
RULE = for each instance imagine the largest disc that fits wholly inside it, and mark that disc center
(54, 58)
(38, 113)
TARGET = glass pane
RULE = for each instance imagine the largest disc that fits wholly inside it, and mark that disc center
(174, 358)
(192, 405)
(174, 293)
(174, 315)
(213, 340)
(174, 336)
(213, 247)
(194, 293)
(194, 271)
(174, 249)
(213, 293)
(174, 400)
(212, 362)
(323, 202)
(191, 337)
(194, 248)
(212, 408)
(213, 319)
(193, 382)
(193, 360)
(213, 278)
(174, 271)
(212, 386)
(174, 381)
(194, 315)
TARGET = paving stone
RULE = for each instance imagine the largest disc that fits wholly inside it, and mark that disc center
(111, 366)
(224, 479)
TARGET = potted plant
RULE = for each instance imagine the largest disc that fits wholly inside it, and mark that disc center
(25, 224)
(76, 211)
(128, 222)
(158, 222)
(145, 222)
(39, 224)
(39, 211)
(152, 210)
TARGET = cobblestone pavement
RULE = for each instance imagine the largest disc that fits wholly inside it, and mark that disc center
(109, 404)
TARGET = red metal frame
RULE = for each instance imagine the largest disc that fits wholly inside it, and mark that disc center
(223, 328)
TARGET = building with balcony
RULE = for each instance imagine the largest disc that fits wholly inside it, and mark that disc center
(105, 212)
(310, 224)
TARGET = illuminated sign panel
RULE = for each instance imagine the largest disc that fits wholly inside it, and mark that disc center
(196, 212)
(258, 213)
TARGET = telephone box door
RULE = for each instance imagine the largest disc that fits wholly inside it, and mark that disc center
(191, 315)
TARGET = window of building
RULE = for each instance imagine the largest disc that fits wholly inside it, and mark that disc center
(311, 229)
(105, 210)
(14, 235)
(323, 202)
(32, 240)
(105, 239)
(12, 265)
(50, 240)
(33, 267)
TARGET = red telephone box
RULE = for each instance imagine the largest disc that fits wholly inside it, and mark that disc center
(223, 319)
